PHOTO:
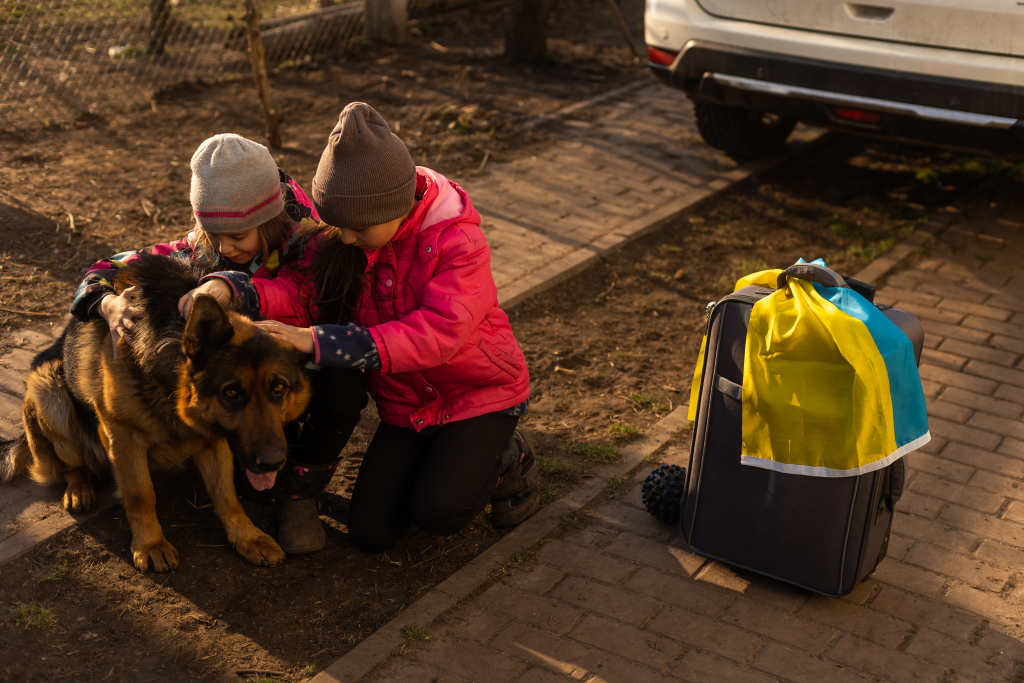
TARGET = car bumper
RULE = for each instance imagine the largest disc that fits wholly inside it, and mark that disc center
(916, 107)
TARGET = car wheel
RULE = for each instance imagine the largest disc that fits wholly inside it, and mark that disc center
(741, 133)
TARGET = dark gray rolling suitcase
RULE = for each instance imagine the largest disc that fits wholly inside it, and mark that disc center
(822, 534)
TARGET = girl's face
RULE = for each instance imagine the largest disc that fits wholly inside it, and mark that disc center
(372, 237)
(239, 247)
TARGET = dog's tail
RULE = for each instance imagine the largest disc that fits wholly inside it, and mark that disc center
(15, 457)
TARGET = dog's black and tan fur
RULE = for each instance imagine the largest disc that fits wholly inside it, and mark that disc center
(179, 391)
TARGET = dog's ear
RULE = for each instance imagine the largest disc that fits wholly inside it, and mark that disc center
(208, 327)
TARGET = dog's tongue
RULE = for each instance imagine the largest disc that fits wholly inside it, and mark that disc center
(261, 482)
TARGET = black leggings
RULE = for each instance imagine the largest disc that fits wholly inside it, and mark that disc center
(439, 482)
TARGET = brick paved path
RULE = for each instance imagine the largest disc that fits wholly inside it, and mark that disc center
(617, 599)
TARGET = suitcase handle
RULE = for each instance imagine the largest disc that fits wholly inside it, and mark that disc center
(813, 272)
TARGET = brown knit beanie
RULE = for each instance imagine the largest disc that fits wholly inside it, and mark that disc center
(366, 175)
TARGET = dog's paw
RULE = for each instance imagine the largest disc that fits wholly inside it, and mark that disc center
(261, 550)
(162, 553)
(79, 497)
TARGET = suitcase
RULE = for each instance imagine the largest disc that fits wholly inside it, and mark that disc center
(818, 533)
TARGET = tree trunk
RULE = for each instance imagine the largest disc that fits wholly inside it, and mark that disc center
(526, 33)
(259, 73)
(159, 24)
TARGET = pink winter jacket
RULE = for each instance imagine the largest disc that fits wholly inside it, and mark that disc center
(447, 351)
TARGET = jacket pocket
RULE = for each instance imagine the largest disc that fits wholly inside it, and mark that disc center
(503, 359)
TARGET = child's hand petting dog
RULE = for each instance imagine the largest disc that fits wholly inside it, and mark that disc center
(299, 337)
(215, 287)
(117, 310)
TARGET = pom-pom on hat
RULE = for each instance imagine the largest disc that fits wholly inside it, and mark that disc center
(366, 175)
(235, 184)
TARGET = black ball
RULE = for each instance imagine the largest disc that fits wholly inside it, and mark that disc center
(662, 492)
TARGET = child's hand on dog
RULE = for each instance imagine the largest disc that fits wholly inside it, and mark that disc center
(215, 287)
(117, 310)
(299, 337)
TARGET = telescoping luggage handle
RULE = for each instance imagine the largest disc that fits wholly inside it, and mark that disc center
(825, 277)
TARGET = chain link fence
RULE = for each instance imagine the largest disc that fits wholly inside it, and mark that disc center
(62, 60)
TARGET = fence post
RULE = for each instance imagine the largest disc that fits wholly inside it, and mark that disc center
(386, 19)
(259, 73)
(159, 24)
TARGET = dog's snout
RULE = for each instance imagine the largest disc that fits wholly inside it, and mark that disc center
(271, 459)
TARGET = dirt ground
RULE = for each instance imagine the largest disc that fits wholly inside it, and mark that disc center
(610, 352)
(72, 195)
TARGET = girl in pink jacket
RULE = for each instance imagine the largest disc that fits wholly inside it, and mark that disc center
(444, 368)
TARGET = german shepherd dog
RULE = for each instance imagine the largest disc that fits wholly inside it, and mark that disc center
(198, 390)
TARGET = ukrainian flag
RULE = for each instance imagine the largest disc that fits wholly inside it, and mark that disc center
(830, 384)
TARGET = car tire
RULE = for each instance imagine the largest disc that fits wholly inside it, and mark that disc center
(741, 133)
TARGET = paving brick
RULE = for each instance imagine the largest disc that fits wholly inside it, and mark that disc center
(959, 433)
(536, 611)
(778, 625)
(615, 670)
(1010, 393)
(985, 460)
(536, 675)
(898, 547)
(1010, 344)
(954, 296)
(694, 596)
(943, 359)
(867, 623)
(1005, 301)
(965, 659)
(798, 667)
(541, 648)
(1000, 555)
(972, 572)
(704, 634)
(968, 496)
(894, 666)
(940, 467)
(471, 624)
(925, 612)
(906, 295)
(631, 519)
(753, 586)
(952, 378)
(1011, 447)
(704, 667)
(935, 532)
(932, 341)
(948, 331)
(997, 424)
(987, 404)
(611, 602)
(979, 352)
(627, 642)
(932, 313)
(933, 446)
(661, 556)
(994, 326)
(974, 308)
(1015, 512)
(406, 672)
(948, 411)
(931, 389)
(997, 484)
(975, 522)
(469, 660)
(585, 561)
(922, 506)
(894, 573)
(538, 578)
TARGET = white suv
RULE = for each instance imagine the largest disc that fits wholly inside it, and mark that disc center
(946, 72)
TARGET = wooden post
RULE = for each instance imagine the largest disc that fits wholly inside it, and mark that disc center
(613, 6)
(386, 20)
(526, 31)
(159, 24)
(259, 73)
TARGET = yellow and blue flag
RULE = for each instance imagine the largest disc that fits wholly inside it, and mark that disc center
(830, 384)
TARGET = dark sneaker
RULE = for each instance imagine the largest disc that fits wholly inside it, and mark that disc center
(518, 467)
(300, 529)
(513, 511)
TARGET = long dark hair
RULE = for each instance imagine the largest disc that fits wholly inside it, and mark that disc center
(337, 273)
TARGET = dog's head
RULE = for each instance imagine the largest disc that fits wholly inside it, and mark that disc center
(242, 383)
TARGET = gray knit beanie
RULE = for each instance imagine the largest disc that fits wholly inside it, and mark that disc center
(366, 175)
(235, 184)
